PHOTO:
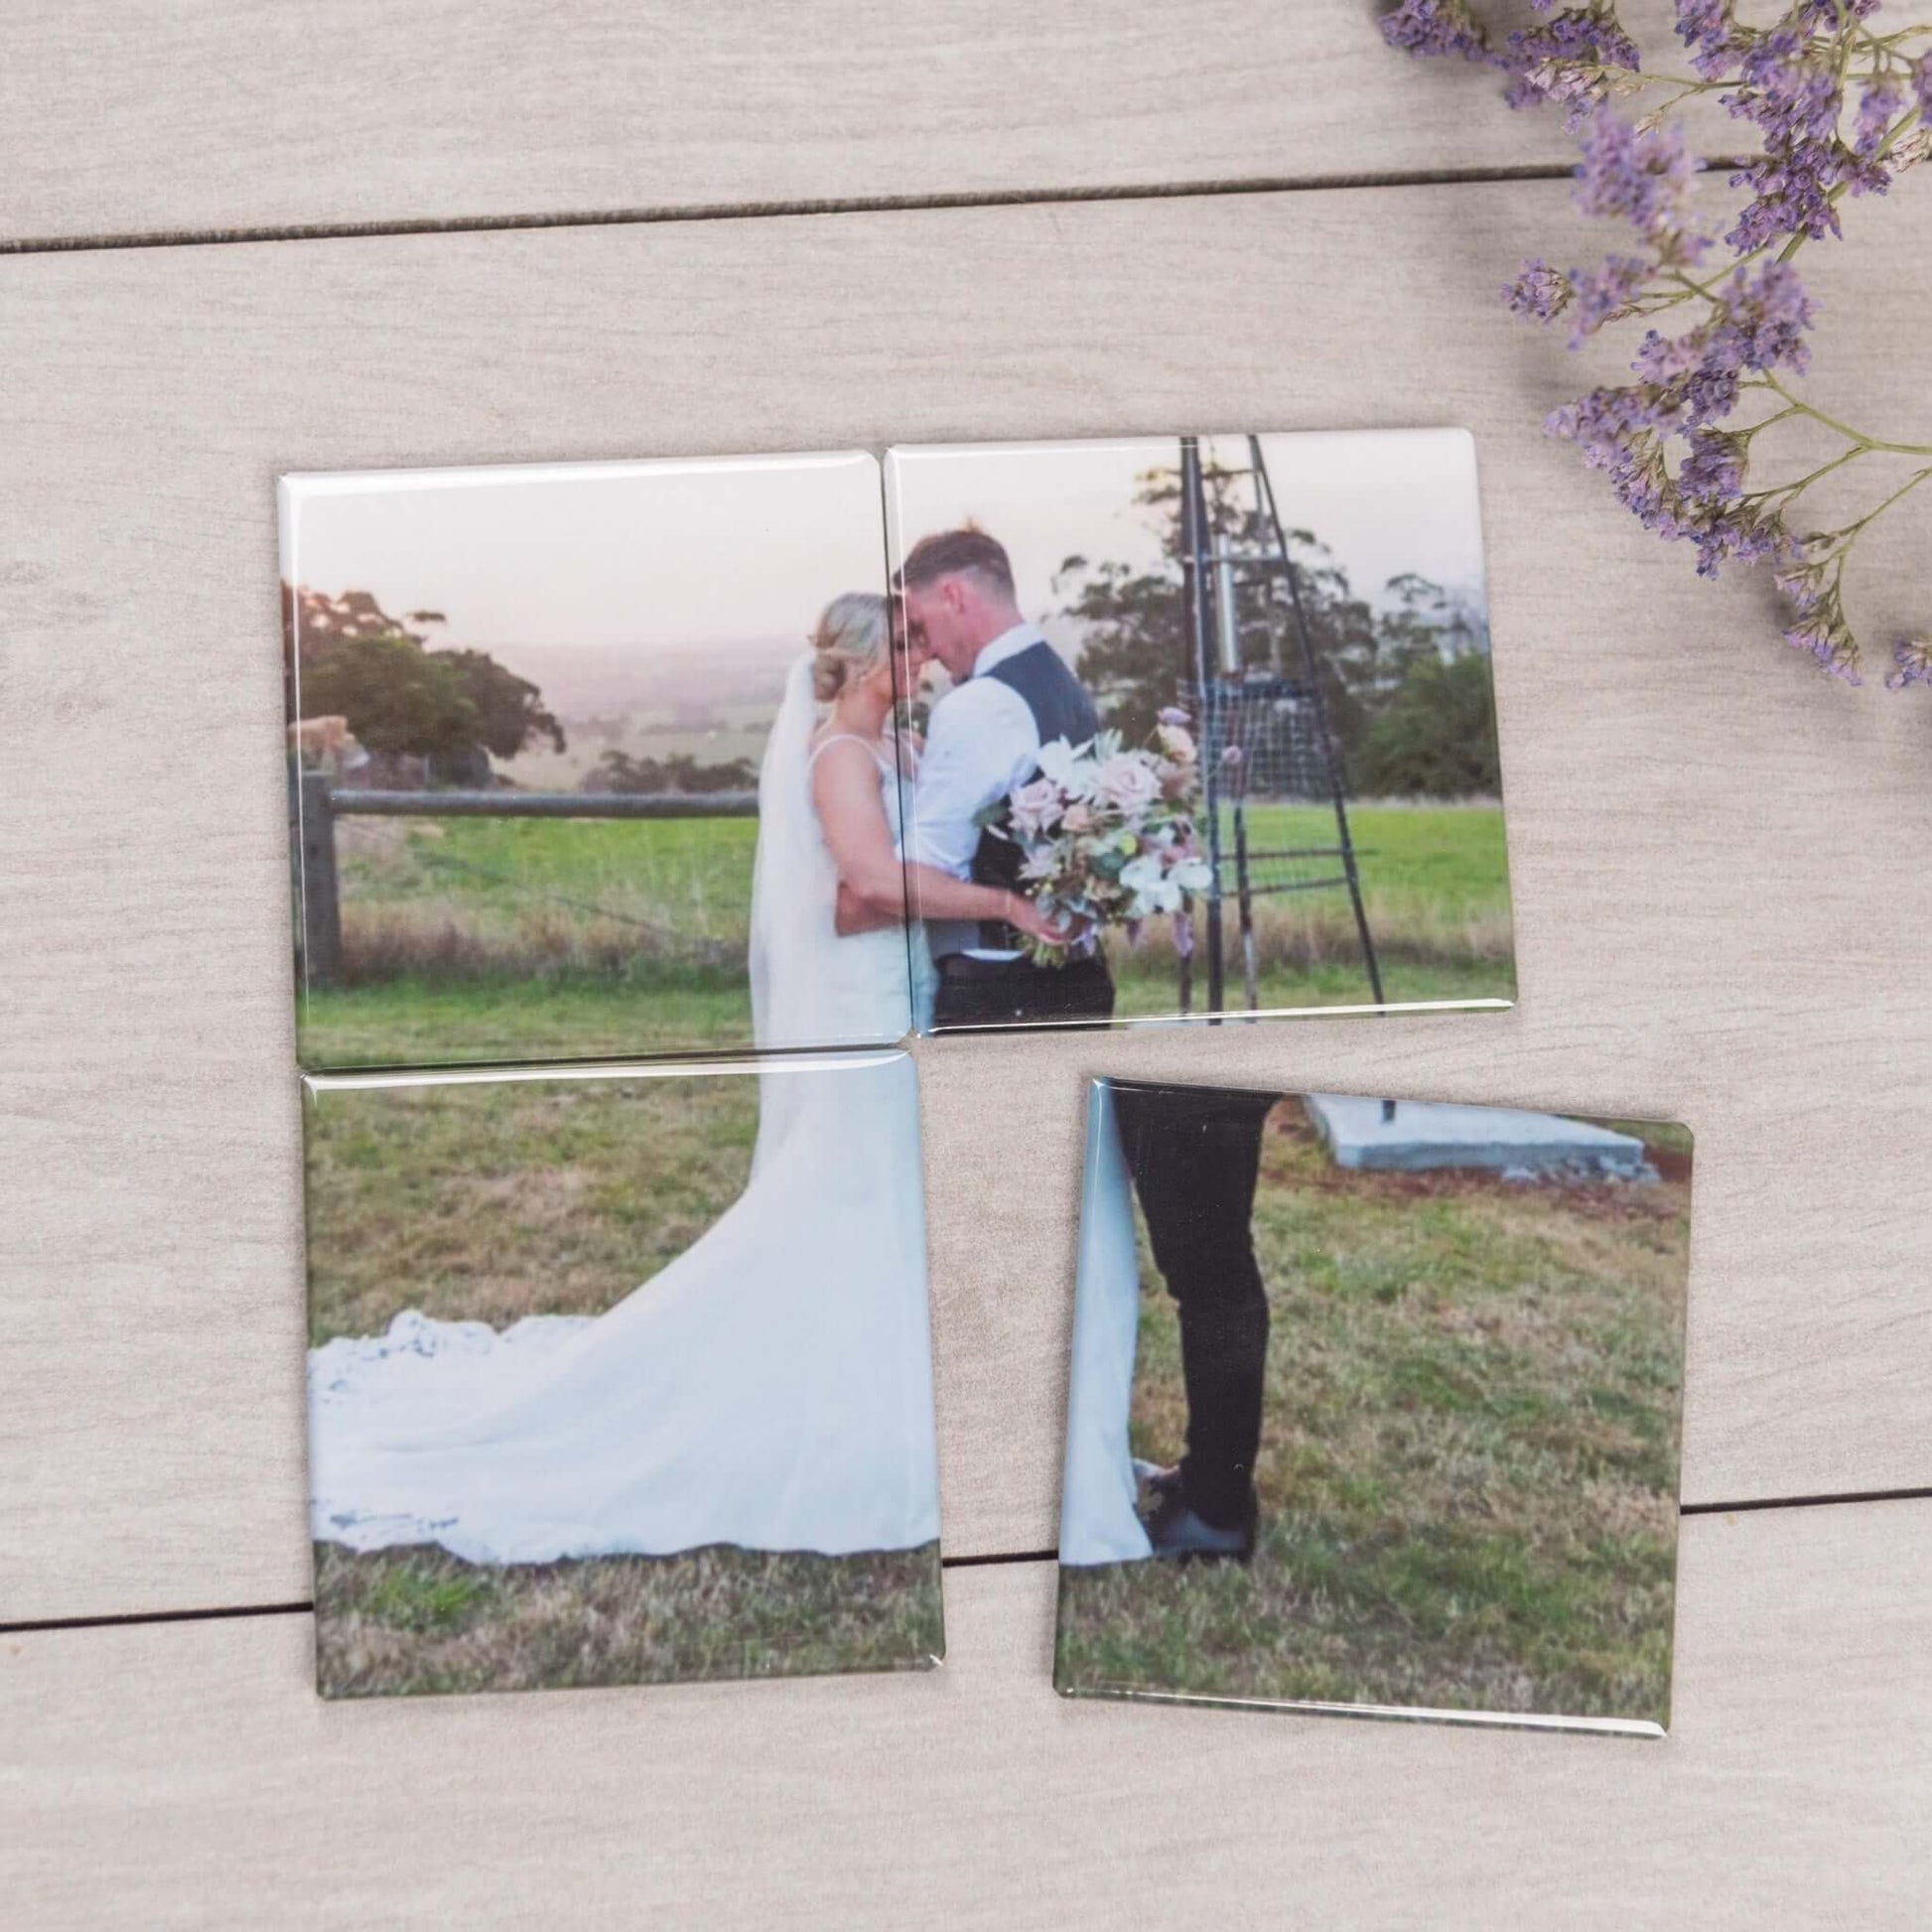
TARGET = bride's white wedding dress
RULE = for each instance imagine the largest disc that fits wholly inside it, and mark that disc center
(771, 1388)
(1098, 1523)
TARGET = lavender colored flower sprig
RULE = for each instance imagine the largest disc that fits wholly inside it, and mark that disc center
(1839, 107)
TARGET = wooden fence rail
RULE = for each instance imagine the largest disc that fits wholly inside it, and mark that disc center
(315, 802)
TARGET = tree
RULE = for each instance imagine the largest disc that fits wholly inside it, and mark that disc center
(1137, 655)
(396, 696)
(346, 657)
(510, 709)
(1437, 736)
(619, 771)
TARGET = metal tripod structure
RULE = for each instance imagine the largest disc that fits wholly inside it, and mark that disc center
(1249, 714)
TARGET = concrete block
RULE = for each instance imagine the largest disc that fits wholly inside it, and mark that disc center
(1429, 1134)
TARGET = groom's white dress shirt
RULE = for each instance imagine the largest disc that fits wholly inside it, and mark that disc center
(981, 743)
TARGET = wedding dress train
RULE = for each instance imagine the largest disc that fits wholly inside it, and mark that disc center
(772, 1387)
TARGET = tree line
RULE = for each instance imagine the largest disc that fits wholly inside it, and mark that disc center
(1407, 687)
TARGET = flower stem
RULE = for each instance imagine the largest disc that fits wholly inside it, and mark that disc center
(1911, 482)
(1846, 430)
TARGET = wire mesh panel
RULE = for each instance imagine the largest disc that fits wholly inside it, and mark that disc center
(1272, 790)
(1264, 735)
(1276, 819)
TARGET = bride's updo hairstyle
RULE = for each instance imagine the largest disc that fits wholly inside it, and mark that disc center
(851, 637)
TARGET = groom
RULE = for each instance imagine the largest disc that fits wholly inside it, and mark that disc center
(1011, 692)
(1196, 1156)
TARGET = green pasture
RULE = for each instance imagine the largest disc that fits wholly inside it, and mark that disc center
(576, 938)
(490, 1203)
(1469, 1454)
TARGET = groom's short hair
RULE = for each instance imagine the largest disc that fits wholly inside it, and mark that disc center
(948, 553)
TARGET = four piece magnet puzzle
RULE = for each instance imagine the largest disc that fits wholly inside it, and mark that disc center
(639, 811)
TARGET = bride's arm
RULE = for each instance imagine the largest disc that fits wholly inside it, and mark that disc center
(872, 879)
(851, 814)
(938, 894)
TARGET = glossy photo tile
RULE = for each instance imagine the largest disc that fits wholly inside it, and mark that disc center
(620, 1375)
(542, 723)
(1375, 1409)
(1206, 726)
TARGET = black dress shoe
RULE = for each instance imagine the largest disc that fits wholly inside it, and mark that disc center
(1179, 1535)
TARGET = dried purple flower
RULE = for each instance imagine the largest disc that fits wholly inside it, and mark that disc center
(1540, 292)
(1606, 293)
(1792, 94)
(1713, 472)
(1815, 620)
(1705, 27)
(1791, 80)
(1436, 27)
(1636, 176)
(1567, 60)
(1913, 658)
(1878, 109)
(1739, 533)
(1763, 317)
(1828, 15)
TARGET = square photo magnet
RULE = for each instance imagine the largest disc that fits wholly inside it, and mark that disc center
(1204, 725)
(620, 1375)
(1375, 1409)
(592, 760)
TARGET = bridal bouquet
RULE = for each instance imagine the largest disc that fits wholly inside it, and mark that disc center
(1107, 836)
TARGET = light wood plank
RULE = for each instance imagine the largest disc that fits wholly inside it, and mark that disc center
(1719, 914)
(133, 116)
(184, 1775)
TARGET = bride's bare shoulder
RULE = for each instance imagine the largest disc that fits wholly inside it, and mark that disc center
(836, 743)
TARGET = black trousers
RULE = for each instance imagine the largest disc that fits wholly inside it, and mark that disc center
(1194, 1154)
(1017, 993)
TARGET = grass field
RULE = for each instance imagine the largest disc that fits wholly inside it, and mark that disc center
(402, 1621)
(1469, 1454)
(575, 939)
(493, 1201)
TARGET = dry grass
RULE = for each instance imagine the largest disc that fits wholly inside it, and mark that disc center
(1305, 933)
(404, 1622)
(490, 1203)
(1468, 1471)
(385, 943)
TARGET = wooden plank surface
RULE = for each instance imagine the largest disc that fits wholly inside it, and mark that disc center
(140, 117)
(1717, 914)
(185, 1775)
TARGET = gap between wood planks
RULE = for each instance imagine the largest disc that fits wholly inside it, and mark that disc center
(773, 211)
(307, 1607)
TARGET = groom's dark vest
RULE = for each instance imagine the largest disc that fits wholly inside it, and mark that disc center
(1061, 709)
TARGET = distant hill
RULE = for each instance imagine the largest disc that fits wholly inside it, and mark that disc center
(602, 680)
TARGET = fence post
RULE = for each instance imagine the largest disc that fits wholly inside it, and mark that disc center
(321, 918)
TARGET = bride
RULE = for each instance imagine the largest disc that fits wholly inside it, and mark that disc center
(771, 1388)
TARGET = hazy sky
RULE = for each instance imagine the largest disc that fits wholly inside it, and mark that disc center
(743, 550)
(1384, 501)
(607, 553)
